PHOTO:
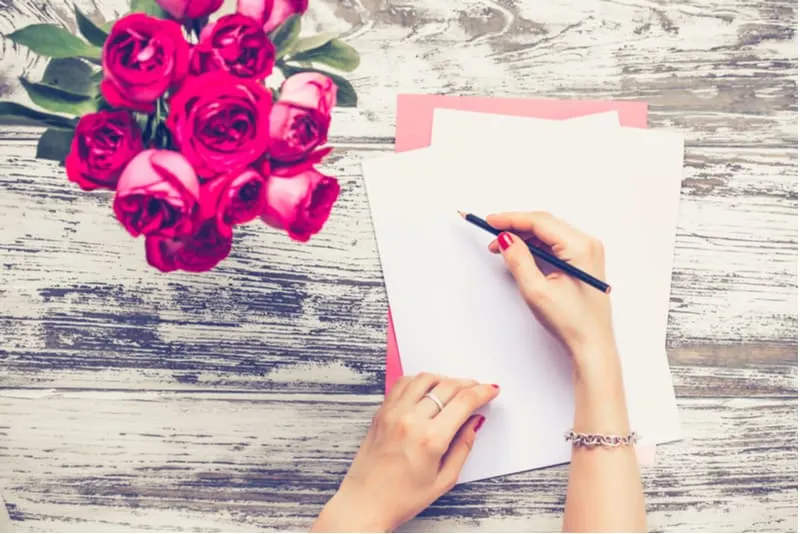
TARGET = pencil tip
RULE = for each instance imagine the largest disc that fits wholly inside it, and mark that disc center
(463, 215)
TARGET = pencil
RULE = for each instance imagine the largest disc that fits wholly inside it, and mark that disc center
(546, 256)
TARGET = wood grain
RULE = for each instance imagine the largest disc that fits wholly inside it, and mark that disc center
(234, 400)
(330, 293)
(180, 461)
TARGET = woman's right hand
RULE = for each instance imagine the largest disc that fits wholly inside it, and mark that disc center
(574, 312)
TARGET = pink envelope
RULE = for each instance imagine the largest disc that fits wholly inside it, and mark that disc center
(413, 131)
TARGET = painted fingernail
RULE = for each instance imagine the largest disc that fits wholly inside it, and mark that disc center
(504, 240)
(479, 422)
(495, 386)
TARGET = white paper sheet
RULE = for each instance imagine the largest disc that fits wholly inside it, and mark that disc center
(660, 199)
(456, 310)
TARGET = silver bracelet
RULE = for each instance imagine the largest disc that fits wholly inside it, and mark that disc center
(596, 440)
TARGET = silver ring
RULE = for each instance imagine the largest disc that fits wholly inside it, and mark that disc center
(435, 400)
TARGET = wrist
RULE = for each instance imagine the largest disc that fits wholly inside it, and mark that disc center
(600, 403)
(342, 513)
(596, 363)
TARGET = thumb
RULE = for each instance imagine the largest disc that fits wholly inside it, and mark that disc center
(521, 263)
(459, 450)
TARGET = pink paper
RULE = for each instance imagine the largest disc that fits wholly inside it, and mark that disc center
(413, 131)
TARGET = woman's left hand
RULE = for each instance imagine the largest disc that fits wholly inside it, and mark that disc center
(412, 455)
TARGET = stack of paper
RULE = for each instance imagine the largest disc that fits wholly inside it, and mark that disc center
(454, 309)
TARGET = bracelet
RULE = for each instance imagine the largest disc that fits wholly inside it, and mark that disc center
(595, 440)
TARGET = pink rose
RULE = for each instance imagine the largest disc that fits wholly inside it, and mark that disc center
(299, 201)
(196, 253)
(157, 195)
(220, 122)
(190, 9)
(103, 144)
(142, 58)
(271, 13)
(300, 118)
(237, 44)
(234, 199)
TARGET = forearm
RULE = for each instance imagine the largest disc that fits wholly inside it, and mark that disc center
(604, 492)
(345, 513)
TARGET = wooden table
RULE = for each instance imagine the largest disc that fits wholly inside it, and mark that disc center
(235, 399)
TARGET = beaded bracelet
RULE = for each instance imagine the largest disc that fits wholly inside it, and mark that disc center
(594, 440)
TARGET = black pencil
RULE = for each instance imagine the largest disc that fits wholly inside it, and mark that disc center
(546, 256)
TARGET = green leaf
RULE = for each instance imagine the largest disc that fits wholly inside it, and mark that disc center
(89, 29)
(97, 77)
(150, 7)
(335, 53)
(54, 144)
(345, 95)
(53, 41)
(70, 74)
(285, 35)
(312, 42)
(12, 113)
(58, 100)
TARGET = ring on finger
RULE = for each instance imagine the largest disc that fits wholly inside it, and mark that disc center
(432, 396)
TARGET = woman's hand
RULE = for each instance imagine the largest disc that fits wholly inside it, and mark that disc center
(576, 313)
(604, 492)
(413, 454)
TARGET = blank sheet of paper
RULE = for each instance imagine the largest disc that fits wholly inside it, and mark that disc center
(457, 311)
(656, 226)
(596, 122)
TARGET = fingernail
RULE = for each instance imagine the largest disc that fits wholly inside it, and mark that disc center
(479, 422)
(504, 240)
(495, 386)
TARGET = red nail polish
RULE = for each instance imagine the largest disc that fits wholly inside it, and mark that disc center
(495, 386)
(504, 240)
(479, 423)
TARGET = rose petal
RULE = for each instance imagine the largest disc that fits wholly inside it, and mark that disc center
(255, 9)
(282, 10)
(301, 203)
(117, 100)
(310, 90)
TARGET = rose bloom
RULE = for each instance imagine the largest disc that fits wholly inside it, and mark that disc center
(237, 44)
(103, 144)
(142, 58)
(271, 13)
(196, 253)
(234, 199)
(157, 195)
(299, 201)
(300, 118)
(220, 122)
(190, 9)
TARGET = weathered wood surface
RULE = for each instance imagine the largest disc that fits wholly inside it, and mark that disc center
(233, 400)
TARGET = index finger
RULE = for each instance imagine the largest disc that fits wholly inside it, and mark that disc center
(548, 228)
(462, 406)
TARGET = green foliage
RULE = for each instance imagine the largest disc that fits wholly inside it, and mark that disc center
(58, 100)
(285, 35)
(150, 7)
(12, 113)
(89, 29)
(333, 53)
(53, 41)
(311, 42)
(346, 94)
(54, 144)
(70, 74)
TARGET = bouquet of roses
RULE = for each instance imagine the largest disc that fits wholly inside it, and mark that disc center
(172, 113)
